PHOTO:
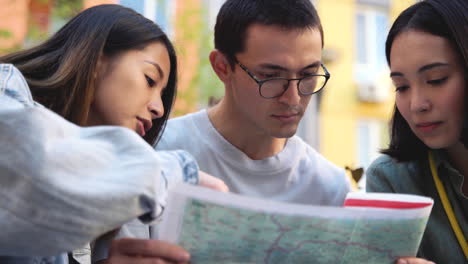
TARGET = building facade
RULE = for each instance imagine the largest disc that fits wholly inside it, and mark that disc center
(358, 101)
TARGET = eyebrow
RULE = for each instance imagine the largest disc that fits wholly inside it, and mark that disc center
(160, 71)
(432, 65)
(271, 66)
(422, 69)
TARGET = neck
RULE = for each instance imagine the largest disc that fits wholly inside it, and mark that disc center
(244, 134)
(458, 156)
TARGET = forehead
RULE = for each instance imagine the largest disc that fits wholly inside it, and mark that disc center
(155, 52)
(158, 52)
(267, 43)
(416, 48)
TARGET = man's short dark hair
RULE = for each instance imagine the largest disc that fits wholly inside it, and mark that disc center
(236, 16)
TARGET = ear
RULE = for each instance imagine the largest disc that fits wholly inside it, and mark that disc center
(99, 73)
(220, 65)
(101, 66)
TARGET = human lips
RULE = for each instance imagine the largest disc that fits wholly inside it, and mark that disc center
(428, 127)
(287, 118)
(143, 125)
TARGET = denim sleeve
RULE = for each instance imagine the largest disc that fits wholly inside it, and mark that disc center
(176, 166)
(14, 91)
(67, 185)
(62, 185)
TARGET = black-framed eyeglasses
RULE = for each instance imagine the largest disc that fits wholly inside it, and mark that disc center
(275, 87)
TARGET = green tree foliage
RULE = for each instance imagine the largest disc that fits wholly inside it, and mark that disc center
(61, 12)
(208, 83)
(5, 34)
(193, 27)
(66, 9)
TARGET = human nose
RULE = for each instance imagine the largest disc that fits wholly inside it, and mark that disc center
(291, 95)
(419, 100)
(156, 107)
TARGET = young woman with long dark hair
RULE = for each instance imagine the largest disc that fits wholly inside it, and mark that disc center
(109, 66)
(427, 51)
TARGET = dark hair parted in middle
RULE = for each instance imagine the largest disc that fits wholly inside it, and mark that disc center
(235, 16)
(61, 71)
(443, 18)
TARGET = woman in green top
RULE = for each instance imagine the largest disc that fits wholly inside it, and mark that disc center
(427, 51)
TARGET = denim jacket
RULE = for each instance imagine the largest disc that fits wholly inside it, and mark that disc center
(62, 185)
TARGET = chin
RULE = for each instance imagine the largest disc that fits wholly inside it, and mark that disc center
(438, 143)
(283, 133)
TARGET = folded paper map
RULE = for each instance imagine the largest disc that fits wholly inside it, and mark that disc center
(220, 227)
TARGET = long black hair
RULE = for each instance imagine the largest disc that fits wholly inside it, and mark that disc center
(444, 18)
(60, 72)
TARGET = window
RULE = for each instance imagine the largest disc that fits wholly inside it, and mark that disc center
(159, 11)
(213, 7)
(371, 71)
(372, 135)
(371, 32)
(165, 10)
(137, 5)
(361, 34)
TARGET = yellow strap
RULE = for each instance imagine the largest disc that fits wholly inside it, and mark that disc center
(448, 207)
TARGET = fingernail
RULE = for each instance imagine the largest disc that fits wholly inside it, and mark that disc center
(185, 256)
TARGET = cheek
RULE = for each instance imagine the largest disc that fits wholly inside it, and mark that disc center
(455, 114)
(454, 100)
(244, 91)
(305, 100)
(459, 112)
(101, 110)
(111, 102)
(402, 105)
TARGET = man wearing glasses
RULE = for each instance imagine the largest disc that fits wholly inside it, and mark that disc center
(268, 55)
